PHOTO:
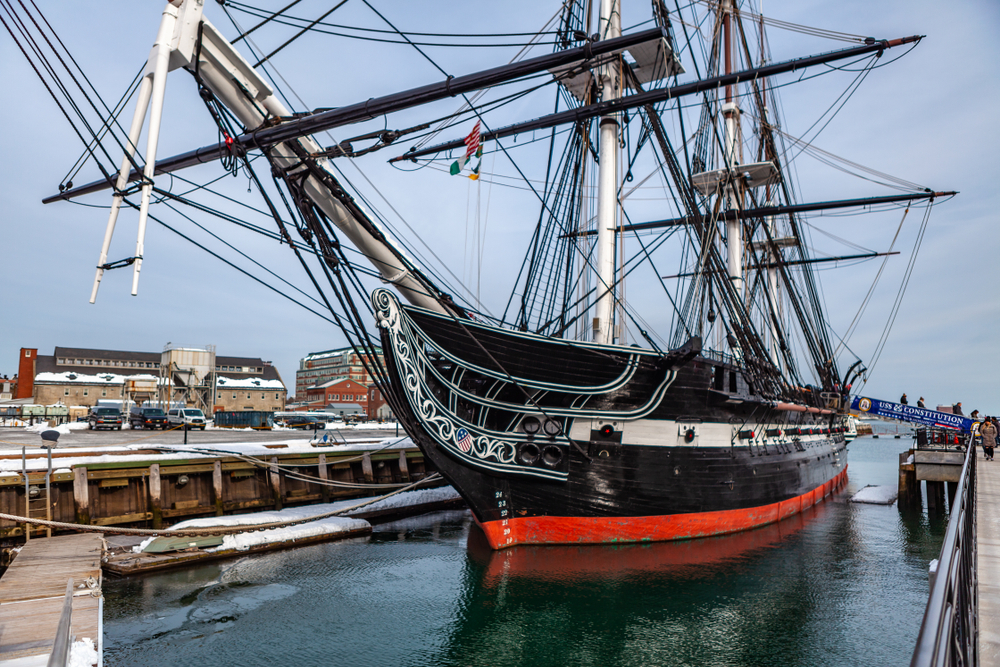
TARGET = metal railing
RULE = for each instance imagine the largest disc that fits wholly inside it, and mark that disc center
(63, 642)
(949, 633)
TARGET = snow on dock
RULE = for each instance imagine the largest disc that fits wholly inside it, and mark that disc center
(876, 495)
(133, 556)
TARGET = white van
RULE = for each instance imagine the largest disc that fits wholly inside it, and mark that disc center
(187, 417)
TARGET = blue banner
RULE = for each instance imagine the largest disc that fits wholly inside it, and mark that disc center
(910, 413)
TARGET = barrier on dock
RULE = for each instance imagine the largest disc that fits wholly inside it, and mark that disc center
(949, 632)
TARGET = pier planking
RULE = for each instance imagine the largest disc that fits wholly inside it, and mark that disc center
(988, 560)
(33, 588)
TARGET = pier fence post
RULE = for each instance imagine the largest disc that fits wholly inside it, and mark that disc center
(275, 477)
(404, 468)
(366, 467)
(81, 496)
(324, 474)
(217, 488)
(155, 498)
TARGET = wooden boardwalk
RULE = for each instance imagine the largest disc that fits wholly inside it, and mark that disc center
(33, 589)
(988, 563)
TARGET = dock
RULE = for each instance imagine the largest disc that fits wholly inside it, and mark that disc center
(33, 591)
(988, 560)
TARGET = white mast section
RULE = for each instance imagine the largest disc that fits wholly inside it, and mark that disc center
(609, 27)
(235, 83)
(154, 83)
(732, 147)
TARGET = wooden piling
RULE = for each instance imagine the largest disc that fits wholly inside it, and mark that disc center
(155, 496)
(81, 496)
(404, 470)
(217, 488)
(366, 467)
(324, 474)
(935, 496)
(909, 487)
(275, 477)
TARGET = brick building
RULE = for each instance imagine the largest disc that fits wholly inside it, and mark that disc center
(337, 390)
(377, 406)
(317, 368)
(83, 376)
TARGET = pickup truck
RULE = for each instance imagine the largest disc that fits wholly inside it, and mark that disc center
(189, 418)
(147, 418)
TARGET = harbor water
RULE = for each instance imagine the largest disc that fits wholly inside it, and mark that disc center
(842, 584)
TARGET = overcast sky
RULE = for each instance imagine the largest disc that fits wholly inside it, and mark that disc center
(928, 118)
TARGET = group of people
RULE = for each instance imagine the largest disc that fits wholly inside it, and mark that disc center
(956, 409)
(920, 403)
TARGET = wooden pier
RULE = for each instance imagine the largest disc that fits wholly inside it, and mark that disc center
(988, 559)
(33, 590)
(144, 488)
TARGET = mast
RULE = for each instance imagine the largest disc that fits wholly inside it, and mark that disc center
(732, 149)
(609, 27)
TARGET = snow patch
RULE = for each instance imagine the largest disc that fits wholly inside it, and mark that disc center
(329, 526)
(83, 653)
(876, 495)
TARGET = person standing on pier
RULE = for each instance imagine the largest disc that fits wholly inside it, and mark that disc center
(957, 409)
(902, 399)
(975, 414)
(920, 402)
(989, 432)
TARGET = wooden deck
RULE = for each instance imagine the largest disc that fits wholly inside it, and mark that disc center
(988, 555)
(33, 589)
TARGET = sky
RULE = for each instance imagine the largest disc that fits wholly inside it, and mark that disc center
(927, 118)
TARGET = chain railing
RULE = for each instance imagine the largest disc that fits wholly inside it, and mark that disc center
(949, 633)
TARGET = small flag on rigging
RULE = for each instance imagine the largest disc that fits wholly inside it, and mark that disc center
(472, 148)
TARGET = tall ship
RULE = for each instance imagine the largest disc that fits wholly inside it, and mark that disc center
(708, 400)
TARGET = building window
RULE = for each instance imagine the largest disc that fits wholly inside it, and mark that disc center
(104, 392)
(234, 396)
(86, 392)
(66, 391)
(248, 396)
(262, 397)
(277, 397)
(27, 353)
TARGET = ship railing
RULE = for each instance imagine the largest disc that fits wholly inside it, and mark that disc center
(949, 633)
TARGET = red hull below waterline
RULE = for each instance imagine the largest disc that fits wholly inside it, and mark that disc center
(608, 530)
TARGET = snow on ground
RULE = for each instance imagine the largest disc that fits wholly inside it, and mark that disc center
(62, 428)
(876, 495)
(329, 526)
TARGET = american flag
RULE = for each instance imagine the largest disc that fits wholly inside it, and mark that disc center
(472, 142)
(463, 439)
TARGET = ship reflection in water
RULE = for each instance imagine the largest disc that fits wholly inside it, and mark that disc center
(585, 563)
(728, 600)
(839, 584)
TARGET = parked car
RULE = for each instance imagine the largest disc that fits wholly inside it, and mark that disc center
(302, 421)
(140, 417)
(186, 417)
(104, 418)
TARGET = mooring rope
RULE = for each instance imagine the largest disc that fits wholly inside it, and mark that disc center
(202, 532)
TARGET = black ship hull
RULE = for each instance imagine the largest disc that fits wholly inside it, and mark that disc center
(561, 443)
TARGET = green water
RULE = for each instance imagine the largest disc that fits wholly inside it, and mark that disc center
(843, 584)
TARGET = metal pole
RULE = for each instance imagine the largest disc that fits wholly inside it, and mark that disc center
(48, 493)
(27, 494)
